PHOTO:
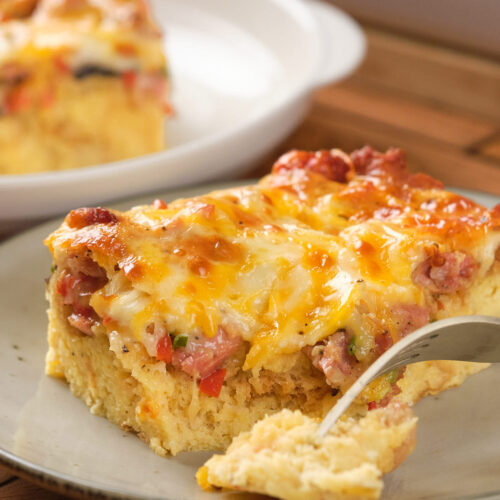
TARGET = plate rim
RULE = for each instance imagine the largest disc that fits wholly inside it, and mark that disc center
(60, 482)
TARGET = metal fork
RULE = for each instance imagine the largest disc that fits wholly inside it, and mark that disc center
(464, 338)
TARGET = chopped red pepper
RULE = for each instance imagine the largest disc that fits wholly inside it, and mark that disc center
(17, 100)
(212, 384)
(47, 99)
(164, 349)
(372, 405)
(168, 110)
(159, 204)
(61, 65)
(129, 79)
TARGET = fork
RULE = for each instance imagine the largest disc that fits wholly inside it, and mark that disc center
(464, 338)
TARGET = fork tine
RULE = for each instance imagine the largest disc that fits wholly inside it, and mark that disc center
(345, 401)
(389, 359)
(417, 346)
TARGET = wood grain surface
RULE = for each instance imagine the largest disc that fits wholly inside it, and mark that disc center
(21, 489)
(440, 105)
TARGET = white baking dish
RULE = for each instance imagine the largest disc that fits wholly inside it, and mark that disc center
(242, 74)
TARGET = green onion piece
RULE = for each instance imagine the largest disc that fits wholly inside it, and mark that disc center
(180, 341)
(53, 268)
(392, 376)
(352, 345)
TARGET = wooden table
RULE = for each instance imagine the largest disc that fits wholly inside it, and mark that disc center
(440, 105)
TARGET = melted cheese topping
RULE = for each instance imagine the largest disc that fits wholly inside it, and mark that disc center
(283, 264)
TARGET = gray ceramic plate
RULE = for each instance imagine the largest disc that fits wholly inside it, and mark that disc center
(49, 434)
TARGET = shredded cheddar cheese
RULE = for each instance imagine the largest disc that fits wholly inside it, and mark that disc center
(283, 264)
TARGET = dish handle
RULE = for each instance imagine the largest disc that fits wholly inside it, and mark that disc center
(343, 41)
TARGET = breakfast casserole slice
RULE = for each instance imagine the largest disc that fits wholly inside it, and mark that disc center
(188, 322)
(82, 82)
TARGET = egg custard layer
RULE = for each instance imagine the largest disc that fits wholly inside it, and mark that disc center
(187, 322)
(81, 83)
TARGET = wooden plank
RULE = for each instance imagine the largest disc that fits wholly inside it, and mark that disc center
(5, 475)
(491, 148)
(407, 113)
(442, 75)
(24, 490)
(327, 128)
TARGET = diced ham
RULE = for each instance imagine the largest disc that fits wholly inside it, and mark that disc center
(446, 272)
(82, 264)
(76, 289)
(81, 279)
(383, 341)
(409, 317)
(367, 161)
(334, 165)
(392, 163)
(202, 357)
(332, 358)
(82, 322)
(87, 216)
